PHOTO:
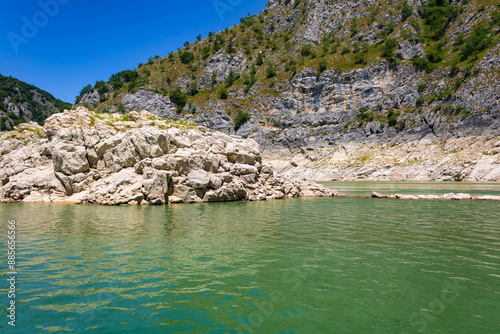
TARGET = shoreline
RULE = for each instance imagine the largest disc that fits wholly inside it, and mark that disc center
(469, 159)
(373, 195)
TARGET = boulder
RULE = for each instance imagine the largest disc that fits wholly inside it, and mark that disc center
(184, 194)
(198, 179)
(457, 197)
(157, 187)
(68, 158)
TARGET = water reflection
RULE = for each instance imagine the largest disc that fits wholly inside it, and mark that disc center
(359, 265)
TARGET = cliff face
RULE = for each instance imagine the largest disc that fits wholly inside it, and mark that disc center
(85, 157)
(21, 102)
(319, 75)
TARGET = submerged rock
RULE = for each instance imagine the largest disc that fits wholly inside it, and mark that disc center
(110, 159)
(450, 196)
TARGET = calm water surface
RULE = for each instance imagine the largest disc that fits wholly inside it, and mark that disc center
(327, 265)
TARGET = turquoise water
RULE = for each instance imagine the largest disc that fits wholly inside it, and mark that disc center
(326, 265)
(365, 188)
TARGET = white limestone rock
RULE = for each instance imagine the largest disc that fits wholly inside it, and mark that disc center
(109, 160)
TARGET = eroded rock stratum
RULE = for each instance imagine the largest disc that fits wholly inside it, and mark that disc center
(113, 159)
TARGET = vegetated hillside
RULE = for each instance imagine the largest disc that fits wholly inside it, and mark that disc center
(21, 102)
(308, 74)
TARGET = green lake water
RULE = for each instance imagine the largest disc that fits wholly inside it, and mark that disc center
(324, 265)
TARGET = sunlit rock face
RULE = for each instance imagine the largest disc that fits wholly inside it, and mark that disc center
(111, 159)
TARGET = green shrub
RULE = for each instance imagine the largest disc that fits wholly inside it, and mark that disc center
(454, 68)
(218, 42)
(306, 50)
(223, 93)
(495, 18)
(436, 53)
(457, 84)
(290, 65)
(354, 26)
(271, 72)
(364, 115)
(205, 52)
(406, 12)
(345, 49)
(273, 45)
(465, 113)
(374, 12)
(438, 14)
(132, 86)
(121, 108)
(260, 59)
(3, 124)
(18, 121)
(423, 64)
(360, 58)
(250, 80)
(416, 25)
(323, 65)
(186, 57)
(178, 98)
(115, 81)
(392, 117)
(240, 119)
(445, 93)
(232, 77)
(230, 48)
(13, 116)
(468, 70)
(83, 91)
(390, 46)
(387, 27)
(357, 47)
(127, 75)
(193, 88)
(253, 70)
(479, 40)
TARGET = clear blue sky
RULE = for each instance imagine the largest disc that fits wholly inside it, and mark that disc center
(84, 41)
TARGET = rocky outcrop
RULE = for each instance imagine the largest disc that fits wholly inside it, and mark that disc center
(449, 197)
(342, 77)
(112, 159)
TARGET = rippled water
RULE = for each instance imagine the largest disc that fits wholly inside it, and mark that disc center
(328, 265)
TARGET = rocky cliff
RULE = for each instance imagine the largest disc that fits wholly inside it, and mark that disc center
(86, 157)
(308, 78)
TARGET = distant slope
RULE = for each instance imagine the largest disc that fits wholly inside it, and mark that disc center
(21, 102)
(309, 74)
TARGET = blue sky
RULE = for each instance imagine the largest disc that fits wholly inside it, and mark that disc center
(72, 43)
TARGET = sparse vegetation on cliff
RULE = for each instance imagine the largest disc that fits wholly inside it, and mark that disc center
(21, 102)
(262, 67)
